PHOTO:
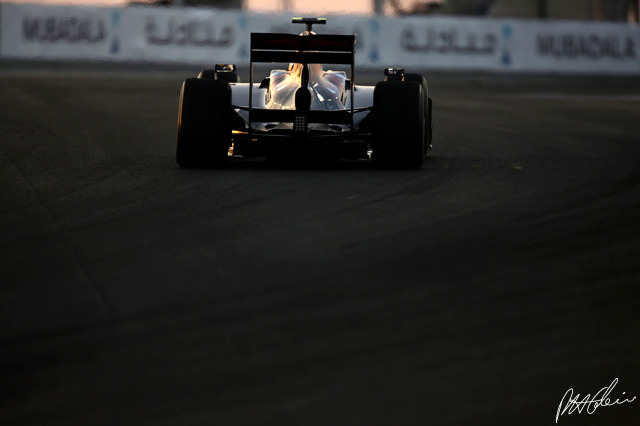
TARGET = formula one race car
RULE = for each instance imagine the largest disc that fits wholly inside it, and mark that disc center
(304, 109)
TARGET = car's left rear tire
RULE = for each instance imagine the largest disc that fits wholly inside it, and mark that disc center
(204, 125)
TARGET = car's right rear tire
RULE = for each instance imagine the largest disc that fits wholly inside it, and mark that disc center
(204, 125)
(399, 124)
(428, 103)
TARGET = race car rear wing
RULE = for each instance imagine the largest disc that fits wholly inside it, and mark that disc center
(303, 49)
(311, 49)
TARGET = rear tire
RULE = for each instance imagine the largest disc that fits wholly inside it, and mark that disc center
(430, 126)
(399, 124)
(204, 125)
(419, 78)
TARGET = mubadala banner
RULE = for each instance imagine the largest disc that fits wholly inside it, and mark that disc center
(182, 35)
(577, 47)
(449, 43)
(516, 45)
(59, 32)
(208, 36)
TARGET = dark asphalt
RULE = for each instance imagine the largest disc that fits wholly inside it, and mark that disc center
(474, 291)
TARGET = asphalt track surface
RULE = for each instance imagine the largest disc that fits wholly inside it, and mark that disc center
(474, 291)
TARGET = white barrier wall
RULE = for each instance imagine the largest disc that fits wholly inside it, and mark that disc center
(576, 47)
(204, 36)
(61, 32)
(450, 43)
(186, 35)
